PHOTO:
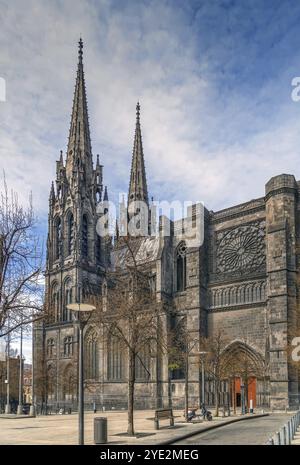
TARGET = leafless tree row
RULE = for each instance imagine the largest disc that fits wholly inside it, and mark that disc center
(21, 266)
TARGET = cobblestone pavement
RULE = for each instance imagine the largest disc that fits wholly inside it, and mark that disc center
(253, 432)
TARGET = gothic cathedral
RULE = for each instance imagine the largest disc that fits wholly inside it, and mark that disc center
(244, 279)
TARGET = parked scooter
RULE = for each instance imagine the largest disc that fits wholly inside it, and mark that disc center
(205, 414)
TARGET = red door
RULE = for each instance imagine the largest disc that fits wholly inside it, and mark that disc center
(251, 392)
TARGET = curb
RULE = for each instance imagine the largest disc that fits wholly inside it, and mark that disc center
(13, 416)
(211, 427)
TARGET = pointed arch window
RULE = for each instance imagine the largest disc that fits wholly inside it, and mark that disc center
(56, 302)
(51, 372)
(98, 249)
(178, 331)
(85, 230)
(181, 267)
(91, 355)
(70, 243)
(69, 386)
(142, 364)
(50, 347)
(114, 359)
(68, 300)
(152, 284)
(68, 346)
(57, 239)
(104, 296)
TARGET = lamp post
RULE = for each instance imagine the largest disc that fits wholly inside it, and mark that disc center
(32, 411)
(202, 355)
(243, 398)
(83, 314)
(7, 381)
(20, 406)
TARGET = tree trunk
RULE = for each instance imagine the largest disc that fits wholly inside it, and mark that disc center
(246, 395)
(186, 386)
(131, 383)
(169, 389)
(234, 397)
(217, 398)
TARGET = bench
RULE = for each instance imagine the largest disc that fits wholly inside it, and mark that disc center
(163, 414)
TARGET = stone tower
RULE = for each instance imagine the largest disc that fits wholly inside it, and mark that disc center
(76, 254)
(282, 238)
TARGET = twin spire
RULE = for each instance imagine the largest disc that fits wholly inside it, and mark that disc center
(138, 183)
(79, 154)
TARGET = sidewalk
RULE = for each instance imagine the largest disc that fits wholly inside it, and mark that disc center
(63, 429)
(296, 440)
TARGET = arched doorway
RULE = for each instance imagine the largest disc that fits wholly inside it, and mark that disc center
(246, 370)
(69, 384)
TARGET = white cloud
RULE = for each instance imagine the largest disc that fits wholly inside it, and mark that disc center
(202, 139)
(214, 85)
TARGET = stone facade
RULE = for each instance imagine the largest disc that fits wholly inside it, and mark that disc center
(243, 280)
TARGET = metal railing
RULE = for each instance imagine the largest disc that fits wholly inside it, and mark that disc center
(286, 433)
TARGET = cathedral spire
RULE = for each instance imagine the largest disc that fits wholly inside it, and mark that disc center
(138, 183)
(79, 155)
(105, 197)
(52, 194)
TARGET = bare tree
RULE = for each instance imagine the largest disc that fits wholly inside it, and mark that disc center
(129, 312)
(218, 367)
(21, 293)
(183, 343)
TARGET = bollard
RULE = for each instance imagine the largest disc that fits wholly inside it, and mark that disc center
(251, 406)
(289, 439)
(293, 426)
(278, 438)
(284, 435)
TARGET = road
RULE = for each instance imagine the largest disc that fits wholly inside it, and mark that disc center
(252, 432)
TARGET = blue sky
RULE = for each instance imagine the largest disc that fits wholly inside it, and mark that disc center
(213, 78)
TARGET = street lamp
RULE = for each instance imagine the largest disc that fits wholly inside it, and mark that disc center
(83, 313)
(20, 405)
(243, 402)
(202, 355)
(7, 381)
